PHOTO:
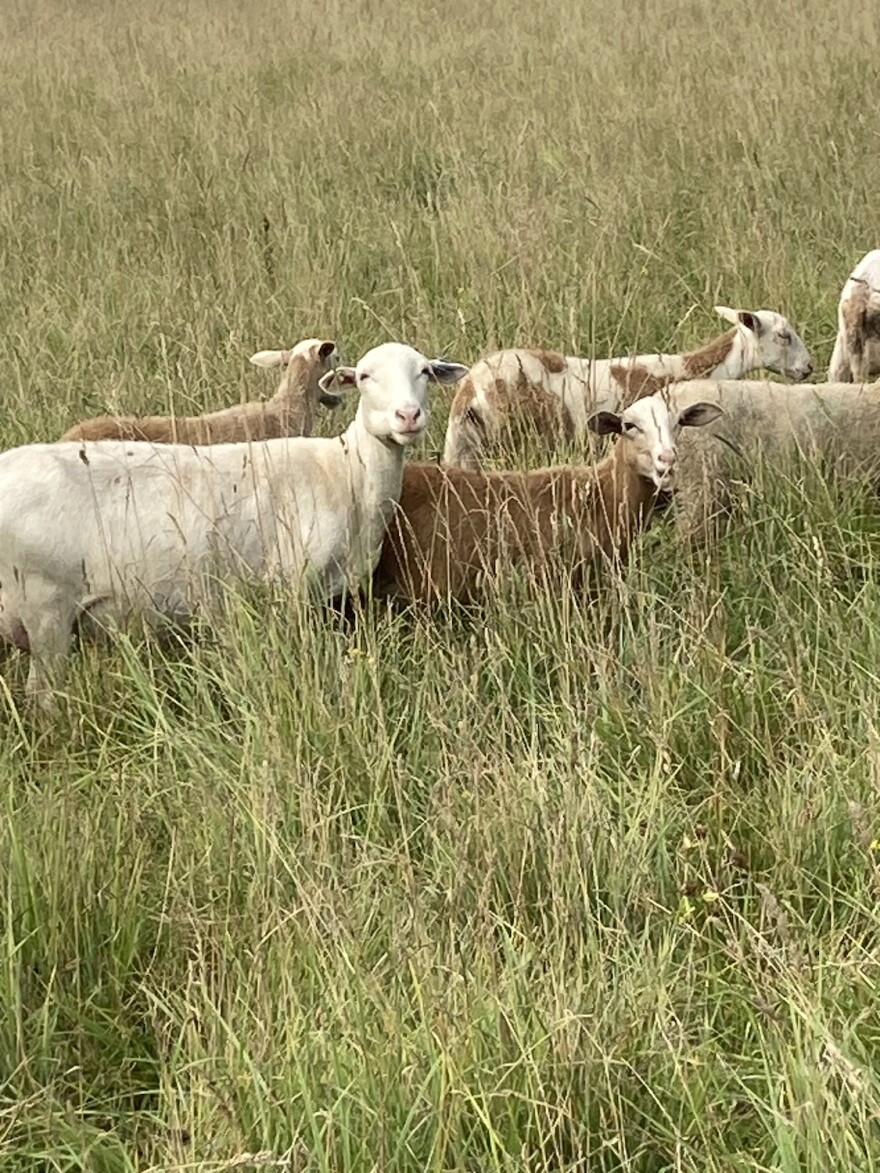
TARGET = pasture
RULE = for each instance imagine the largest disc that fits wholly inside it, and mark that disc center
(541, 887)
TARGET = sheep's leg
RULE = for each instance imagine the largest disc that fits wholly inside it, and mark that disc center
(839, 370)
(465, 442)
(49, 632)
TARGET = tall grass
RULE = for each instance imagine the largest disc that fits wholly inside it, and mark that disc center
(537, 887)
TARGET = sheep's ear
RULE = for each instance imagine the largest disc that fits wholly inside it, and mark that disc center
(340, 379)
(699, 414)
(741, 318)
(729, 315)
(751, 322)
(446, 372)
(605, 423)
(326, 350)
(270, 358)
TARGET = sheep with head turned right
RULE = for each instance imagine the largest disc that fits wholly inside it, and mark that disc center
(290, 412)
(555, 395)
(856, 355)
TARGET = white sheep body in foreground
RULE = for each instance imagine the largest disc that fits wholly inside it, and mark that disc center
(557, 394)
(856, 355)
(112, 528)
(839, 422)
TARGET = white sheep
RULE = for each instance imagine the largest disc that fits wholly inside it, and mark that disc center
(111, 528)
(453, 528)
(856, 354)
(290, 411)
(556, 394)
(839, 422)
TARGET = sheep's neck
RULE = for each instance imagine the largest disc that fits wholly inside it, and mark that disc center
(376, 481)
(627, 501)
(722, 358)
(294, 400)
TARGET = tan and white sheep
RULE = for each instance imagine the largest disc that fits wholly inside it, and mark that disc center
(856, 355)
(290, 411)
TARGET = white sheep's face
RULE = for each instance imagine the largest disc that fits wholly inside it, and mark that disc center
(650, 429)
(780, 349)
(393, 383)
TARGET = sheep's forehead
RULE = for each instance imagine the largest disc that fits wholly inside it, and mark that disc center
(773, 321)
(392, 362)
(652, 416)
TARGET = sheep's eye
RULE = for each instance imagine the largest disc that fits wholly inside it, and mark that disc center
(785, 338)
(631, 427)
(427, 372)
(363, 375)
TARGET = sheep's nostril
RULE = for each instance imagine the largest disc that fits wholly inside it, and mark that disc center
(408, 415)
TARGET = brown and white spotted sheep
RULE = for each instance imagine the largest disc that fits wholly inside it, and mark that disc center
(290, 412)
(553, 395)
(856, 355)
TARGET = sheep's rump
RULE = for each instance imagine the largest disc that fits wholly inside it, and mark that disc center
(838, 423)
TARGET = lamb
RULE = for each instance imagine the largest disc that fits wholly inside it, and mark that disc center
(102, 530)
(837, 421)
(290, 411)
(856, 354)
(556, 394)
(454, 527)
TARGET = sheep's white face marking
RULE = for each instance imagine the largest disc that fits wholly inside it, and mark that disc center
(781, 349)
(393, 383)
(650, 429)
(648, 426)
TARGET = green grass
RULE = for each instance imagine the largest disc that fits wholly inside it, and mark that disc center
(542, 887)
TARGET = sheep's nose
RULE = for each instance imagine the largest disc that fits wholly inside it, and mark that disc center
(408, 416)
(666, 457)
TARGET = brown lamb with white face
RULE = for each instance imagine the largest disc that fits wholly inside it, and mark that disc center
(290, 412)
(455, 527)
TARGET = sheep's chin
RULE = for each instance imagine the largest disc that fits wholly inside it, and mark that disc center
(406, 439)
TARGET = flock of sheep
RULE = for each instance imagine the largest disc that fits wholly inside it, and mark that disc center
(153, 516)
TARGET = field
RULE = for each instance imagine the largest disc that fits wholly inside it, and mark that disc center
(540, 888)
